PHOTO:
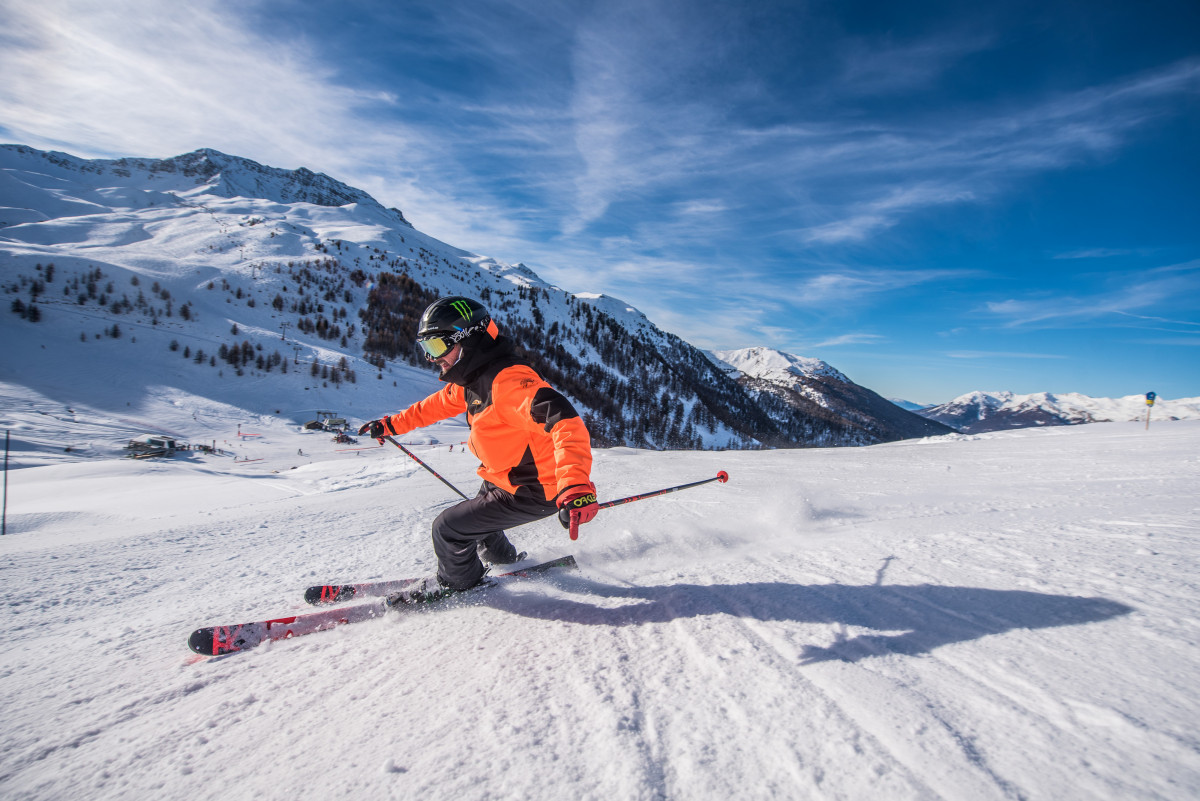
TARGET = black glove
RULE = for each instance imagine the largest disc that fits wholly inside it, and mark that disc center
(376, 429)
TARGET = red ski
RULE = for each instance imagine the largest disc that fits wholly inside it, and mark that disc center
(219, 640)
(326, 594)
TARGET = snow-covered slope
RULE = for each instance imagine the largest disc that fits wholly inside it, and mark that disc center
(816, 389)
(996, 616)
(997, 411)
(181, 261)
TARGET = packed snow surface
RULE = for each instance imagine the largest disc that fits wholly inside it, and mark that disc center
(1002, 616)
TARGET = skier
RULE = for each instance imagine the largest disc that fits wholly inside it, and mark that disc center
(534, 449)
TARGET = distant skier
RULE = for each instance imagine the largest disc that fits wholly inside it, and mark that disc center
(534, 449)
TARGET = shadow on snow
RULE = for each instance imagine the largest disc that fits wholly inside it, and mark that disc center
(928, 616)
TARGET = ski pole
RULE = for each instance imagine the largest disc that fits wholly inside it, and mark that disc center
(413, 456)
(721, 476)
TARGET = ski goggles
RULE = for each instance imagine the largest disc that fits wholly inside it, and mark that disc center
(436, 346)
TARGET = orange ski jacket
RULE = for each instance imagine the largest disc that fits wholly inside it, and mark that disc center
(528, 437)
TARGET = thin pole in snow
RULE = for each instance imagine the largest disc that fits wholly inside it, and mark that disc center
(4, 514)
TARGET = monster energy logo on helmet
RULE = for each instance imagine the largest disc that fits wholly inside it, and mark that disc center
(462, 307)
(447, 315)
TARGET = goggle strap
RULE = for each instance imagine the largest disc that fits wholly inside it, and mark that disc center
(442, 344)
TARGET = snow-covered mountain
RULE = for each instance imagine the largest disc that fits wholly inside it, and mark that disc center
(259, 287)
(906, 405)
(814, 388)
(135, 183)
(774, 365)
(996, 411)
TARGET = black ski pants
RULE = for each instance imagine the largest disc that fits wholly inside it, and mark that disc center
(458, 531)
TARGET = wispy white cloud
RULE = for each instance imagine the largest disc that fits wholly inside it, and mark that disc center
(635, 134)
(148, 80)
(942, 159)
(701, 207)
(855, 286)
(1164, 320)
(1163, 287)
(1096, 253)
(849, 339)
(856, 227)
(874, 67)
(884, 212)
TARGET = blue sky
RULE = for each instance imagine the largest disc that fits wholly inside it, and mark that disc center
(933, 197)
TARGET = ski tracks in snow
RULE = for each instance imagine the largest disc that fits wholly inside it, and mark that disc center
(911, 632)
(841, 729)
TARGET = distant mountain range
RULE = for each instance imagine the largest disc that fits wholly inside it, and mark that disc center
(280, 287)
(245, 269)
(819, 390)
(978, 412)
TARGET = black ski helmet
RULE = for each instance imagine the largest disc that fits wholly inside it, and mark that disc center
(450, 321)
